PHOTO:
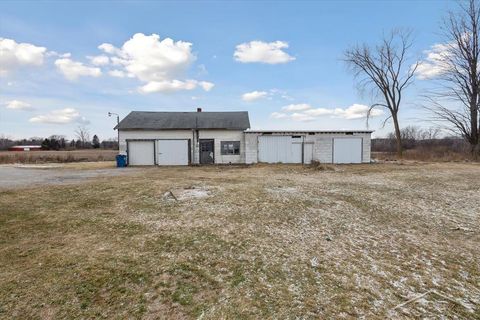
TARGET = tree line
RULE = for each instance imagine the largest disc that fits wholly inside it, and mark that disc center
(59, 142)
(386, 70)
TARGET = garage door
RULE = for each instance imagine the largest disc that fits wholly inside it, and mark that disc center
(347, 150)
(141, 153)
(279, 149)
(172, 152)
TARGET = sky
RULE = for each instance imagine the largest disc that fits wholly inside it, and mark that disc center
(67, 64)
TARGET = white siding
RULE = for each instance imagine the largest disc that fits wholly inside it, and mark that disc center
(225, 135)
(217, 135)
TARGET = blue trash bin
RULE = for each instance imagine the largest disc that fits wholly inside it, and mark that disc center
(121, 160)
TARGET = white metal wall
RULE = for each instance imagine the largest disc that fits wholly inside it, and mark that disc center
(279, 149)
(322, 145)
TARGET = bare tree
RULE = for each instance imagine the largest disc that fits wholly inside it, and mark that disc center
(385, 69)
(83, 135)
(456, 100)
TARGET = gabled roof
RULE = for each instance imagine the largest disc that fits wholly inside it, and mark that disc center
(144, 120)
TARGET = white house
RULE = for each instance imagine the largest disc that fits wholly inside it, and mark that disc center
(183, 138)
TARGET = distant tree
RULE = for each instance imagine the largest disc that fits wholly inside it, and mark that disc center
(385, 69)
(83, 136)
(78, 144)
(46, 144)
(95, 142)
(72, 143)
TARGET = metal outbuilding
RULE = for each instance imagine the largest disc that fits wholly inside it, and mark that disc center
(183, 138)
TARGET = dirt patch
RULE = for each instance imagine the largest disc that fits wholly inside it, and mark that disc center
(188, 193)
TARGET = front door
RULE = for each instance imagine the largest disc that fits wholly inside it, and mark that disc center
(207, 154)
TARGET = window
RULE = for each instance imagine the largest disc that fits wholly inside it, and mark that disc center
(230, 147)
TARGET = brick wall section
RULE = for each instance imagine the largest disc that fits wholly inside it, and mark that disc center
(251, 148)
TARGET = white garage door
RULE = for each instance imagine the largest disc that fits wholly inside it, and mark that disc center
(347, 150)
(141, 153)
(172, 152)
(279, 149)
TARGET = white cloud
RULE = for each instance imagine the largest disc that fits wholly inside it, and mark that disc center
(160, 64)
(305, 112)
(119, 74)
(301, 117)
(356, 111)
(100, 60)
(174, 85)
(14, 55)
(18, 105)
(297, 107)
(263, 52)
(72, 70)
(254, 95)
(435, 62)
(109, 48)
(62, 116)
(278, 115)
(319, 112)
(207, 86)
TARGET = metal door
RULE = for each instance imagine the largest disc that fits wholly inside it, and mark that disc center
(279, 149)
(141, 153)
(207, 151)
(172, 152)
(347, 150)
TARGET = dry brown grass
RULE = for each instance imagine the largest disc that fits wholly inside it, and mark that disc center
(437, 155)
(268, 241)
(57, 156)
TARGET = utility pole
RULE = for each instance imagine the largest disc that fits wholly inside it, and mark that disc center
(118, 131)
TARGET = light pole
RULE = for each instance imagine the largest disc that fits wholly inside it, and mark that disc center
(118, 131)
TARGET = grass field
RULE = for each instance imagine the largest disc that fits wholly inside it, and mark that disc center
(246, 242)
(57, 156)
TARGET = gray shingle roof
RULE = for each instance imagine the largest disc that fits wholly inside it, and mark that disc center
(143, 120)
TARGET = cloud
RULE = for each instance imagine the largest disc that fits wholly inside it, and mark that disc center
(118, 74)
(72, 70)
(207, 86)
(297, 107)
(254, 95)
(100, 60)
(305, 112)
(435, 62)
(18, 105)
(62, 116)
(174, 85)
(270, 94)
(356, 111)
(263, 52)
(301, 117)
(14, 55)
(160, 64)
(278, 115)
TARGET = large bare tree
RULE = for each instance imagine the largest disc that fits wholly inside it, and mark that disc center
(386, 70)
(456, 99)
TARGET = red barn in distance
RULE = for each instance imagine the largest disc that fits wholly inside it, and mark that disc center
(25, 148)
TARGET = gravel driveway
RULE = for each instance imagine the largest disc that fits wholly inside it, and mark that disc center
(23, 176)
